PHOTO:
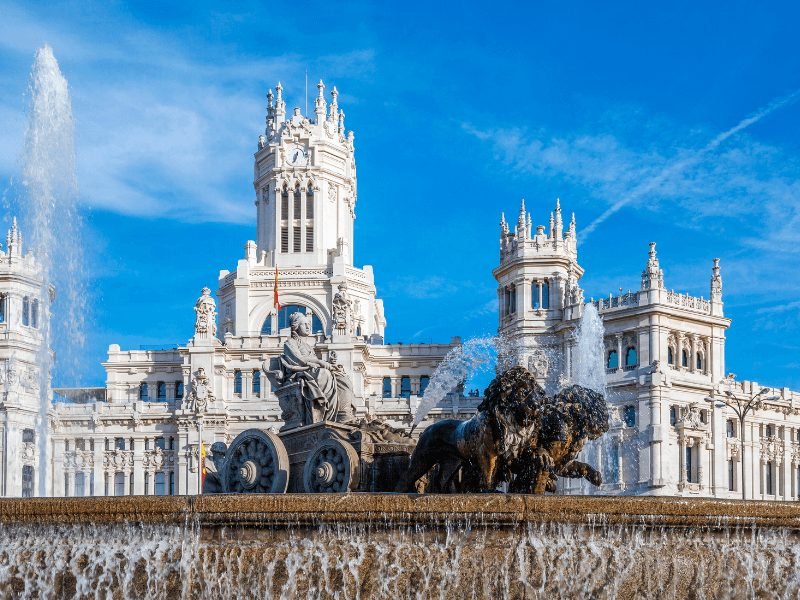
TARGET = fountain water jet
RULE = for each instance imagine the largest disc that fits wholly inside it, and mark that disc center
(589, 350)
(50, 214)
(473, 357)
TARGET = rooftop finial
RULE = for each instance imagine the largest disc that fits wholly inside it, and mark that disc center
(652, 276)
(319, 103)
(334, 109)
(269, 98)
(716, 282)
(341, 121)
(280, 105)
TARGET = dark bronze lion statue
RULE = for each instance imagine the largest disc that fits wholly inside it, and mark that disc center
(519, 436)
(468, 455)
(573, 416)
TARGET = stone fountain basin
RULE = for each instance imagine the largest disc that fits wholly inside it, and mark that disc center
(395, 546)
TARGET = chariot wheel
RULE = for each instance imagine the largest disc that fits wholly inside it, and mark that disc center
(256, 463)
(331, 467)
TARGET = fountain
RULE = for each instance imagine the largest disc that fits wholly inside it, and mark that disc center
(50, 214)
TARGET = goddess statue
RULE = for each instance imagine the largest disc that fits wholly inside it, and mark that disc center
(325, 388)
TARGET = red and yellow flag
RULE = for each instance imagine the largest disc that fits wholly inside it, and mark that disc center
(202, 465)
(275, 300)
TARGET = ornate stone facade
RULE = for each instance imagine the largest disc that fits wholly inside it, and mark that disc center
(141, 432)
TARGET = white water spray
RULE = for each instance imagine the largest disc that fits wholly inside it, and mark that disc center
(589, 350)
(53, 225)
(473, 357)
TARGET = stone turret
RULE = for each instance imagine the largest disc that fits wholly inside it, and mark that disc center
(652, 275)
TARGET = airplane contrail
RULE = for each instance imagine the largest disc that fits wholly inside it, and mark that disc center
(684, 163)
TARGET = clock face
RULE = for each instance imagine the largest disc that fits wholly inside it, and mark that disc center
(297, 156)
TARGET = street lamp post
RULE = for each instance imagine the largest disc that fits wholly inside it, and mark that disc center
(740, 406)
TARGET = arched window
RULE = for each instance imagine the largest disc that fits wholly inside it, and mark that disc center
(285, 313)
(670, 355)
(423, 384)
(35, 314)
(545, 295)
(119, 484)
(256, 382)
(26, 311)
(161, 391)
(237, 382)
(387, 387)
(684, 358)
(405, 386)
(730, 428)
(143, 395)
(266, 328)
(613, 360)
(158, 488)
(2, 308)
(699, 361)
(630, 357)
(629, 413)
(179, 390)
(512, 298)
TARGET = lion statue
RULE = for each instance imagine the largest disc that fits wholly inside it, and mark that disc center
(573, 416)
(467, 456)
(519, 437)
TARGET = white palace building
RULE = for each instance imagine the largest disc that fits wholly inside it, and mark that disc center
(672, 432)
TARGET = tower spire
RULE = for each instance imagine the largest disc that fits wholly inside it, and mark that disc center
(652, 276)
(559, 223)
(521, 222)
(280, 105)
(319, 103)
(334, 108)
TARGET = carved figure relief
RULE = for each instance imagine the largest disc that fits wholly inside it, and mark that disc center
(200, 395)
(342, 311)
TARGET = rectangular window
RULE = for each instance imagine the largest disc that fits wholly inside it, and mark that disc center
(284, 239)
(423, 384)
(387, 387)
(298, 203)
(160, 443)
(730, 428)
(309, 238)
(159, 485)
(309, 205)
(171, 483)
(35, 314)
(285, 206)
(545, 295)
(26, 311)
(731, 476)
(28, 436)
(770, 474)
(297, 243)
(119, 443)
(689, 470)
(27, 481)
(256, 383)
(405, 386)
(237, 382)
(91, 484)
(2, 308)
(119, 484)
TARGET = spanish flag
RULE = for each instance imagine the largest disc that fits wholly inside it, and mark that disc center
(275, 300)
(202, 465)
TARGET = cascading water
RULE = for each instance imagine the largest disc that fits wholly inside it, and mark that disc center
(589, 350)
(50, 216)
(471, 358)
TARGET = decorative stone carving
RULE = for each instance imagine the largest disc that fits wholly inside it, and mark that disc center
(117, 459)
(200, 395)
(691, 419)
(342, 311)
(205, 324)
(538, 363)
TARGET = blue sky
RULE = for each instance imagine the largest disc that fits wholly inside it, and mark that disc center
(459, 110)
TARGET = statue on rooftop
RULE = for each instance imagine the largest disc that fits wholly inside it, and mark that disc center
(205, 323)
(342, 307)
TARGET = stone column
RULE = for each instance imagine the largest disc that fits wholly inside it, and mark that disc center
(693, 357)
(99, 471)
(138, 469)
(182, 466)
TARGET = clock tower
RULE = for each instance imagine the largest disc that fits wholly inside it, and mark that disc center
(305, 183)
